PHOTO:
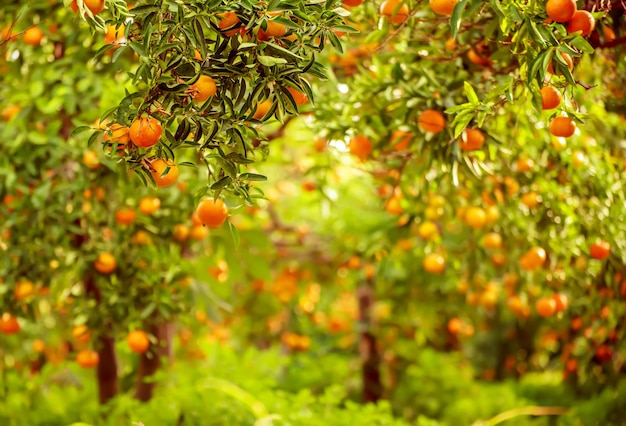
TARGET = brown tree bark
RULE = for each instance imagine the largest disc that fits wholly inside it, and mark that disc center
(370, 357)
(106, 371)
(151, 360)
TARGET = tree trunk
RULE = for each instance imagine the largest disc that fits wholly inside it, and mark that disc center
(106, 371)
(150, 361)
(370, 357)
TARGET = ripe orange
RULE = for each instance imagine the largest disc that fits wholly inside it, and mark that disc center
(142, 238)
(33, 36)
(9, 324)
(203, 89)
(400, 140)
(298, 96)
(431, 121)
(105, 263)
(95, 6)
(563, 127)
(360, 146)
(273, 29)
(582, 21)
(181, 232)
(125, 216)
(10, 111)
(160, 165)
(455, 325)
(479, 56)
(116, 134)
(561, 301)
(545, 307)
(475, 217)
(228, 20)
(90, 159)
(396, 10)
(471, 140)
(550, 97)
(87, 358)
(394, 204)
(443, 7)
(114, 34)
(353, 3)
(145, 132)
(609, 34)
(81, 334)
(434, 263)
(211, 212)
(23, 289)
(138, 341)
(149, 205)
(531, 199)
(533, 259)
(568, 60)
(198, 232)
(492, 240)
(39, 345)
(262, 109)
(561, 10)
(599, 249)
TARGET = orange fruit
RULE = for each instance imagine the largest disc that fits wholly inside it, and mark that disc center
(138, 341)
(273, 29)
(475, 217)
(563, 127)
(434, 263)
(561, 10)
(455, 325)
(353, 3)
(33, 36)
(198, 232)
(400, 140)
(10, 111)
(181, 232)
(116, 134)
(145, 132)
(142, 238)
(23, 290)
(360, 146)
(211, 212)
(95, 6)
(203, 89)
(87, 358)
(114, 34)
(609, 34)
(431, 121)
(125, 216)
(81, 334)
(39, 345)
(160, 165)
(550, 97)
(394, 204)
(105, 263)
(443, 7)
(149, 205)
(90, 159)
(262, 109)
(472, 139)
(428, 230)
(533, 258)
(298, 96)
(450, 44)
(228, 20)
(568, 60)
(582, 21)
(599, 249)
(531, 199)
(545, 307)
(9, 324)
(478, 56)
(396, 10)
(492, 240)
(561, 301)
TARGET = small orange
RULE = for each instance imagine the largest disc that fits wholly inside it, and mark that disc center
(475, 217)
(87, 358)
(396, 10)
(81, 334)
(431, 121)
(599, 249)
(561, 301)
(550, 97)
(114, 34)
(39, 345)
(472, 139)
(533, 258)
(298, 96)
(262, 109)
(149, 205)
(211, 212)
(545, 307)
(33, 36)
(568, 60)
(9, 324)
(125, 216)
(90, 159)
(23, 289)
(492, 240)
(582, 21)
(455, 325)
(138, 341)
(353, 3)
(181, 232)
(160, 165)
(95, 6)
(531, 199)
(116, 134)
(105, 263)
(145, 132)
(563, 127)
(434, 263)
(198, 232)
(228, 20)
(203, 89)
(443, 7)
(360, 146)
(561, 10)
(273, 29)
(400, 139)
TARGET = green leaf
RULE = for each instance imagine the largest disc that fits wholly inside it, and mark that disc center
(470, 93)
(234, 234)
(222, 183)
(253, 177)
(455, 19)
(269, 61)
(80, 129)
